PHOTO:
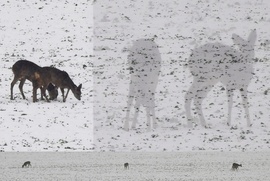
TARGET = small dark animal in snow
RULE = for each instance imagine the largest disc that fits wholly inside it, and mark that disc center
(126, 165)
(235, 166)
(26, 164)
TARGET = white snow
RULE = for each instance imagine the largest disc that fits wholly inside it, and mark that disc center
(60, 33)
(188, 166)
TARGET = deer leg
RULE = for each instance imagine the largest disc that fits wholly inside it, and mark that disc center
(35, 87)
(230, 103)
(155, 125)
(188, 98)
(151, 112)
(148, 115)
(21, 87)
(43, 93)
(201, 93)
(66, 96)
(129, 103)
(11, 87)
(126, 124)
(63, 94)
(202, 89)
(198, 106)
(137, 109)
(245, 104)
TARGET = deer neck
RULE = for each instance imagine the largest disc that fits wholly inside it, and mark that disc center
(69, 84)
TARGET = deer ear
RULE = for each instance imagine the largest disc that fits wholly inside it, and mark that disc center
(80, 86)
(238, 40)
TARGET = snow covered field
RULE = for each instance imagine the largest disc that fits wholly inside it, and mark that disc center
(47, 33)
(59, 33)
(193, 166)
(178, 27)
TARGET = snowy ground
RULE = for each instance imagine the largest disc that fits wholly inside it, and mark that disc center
(178, 27)
(193, 166)
(47, 33)
(59, 33)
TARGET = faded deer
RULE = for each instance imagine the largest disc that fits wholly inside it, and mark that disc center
(60, 79)
(25, 70)
(235, 166)
(144, 66)
(214, 62)
(26, 164)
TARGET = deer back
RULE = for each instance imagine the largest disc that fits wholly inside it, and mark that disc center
(58, 77)
(219, 62)
(24, 69)
(210, 60)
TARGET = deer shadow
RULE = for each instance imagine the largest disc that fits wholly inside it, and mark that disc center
(215, 62)
(144, 65)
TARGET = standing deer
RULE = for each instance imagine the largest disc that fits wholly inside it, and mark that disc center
(24, 69)
(126, 166)
(216, 62)
(26, 164)
(57, 77)
(235, 166)
(144, 61)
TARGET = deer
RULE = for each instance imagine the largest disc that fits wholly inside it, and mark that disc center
(144, 65)
(235, 166)
(215, 62)
(25, 70)
(26, 164)
(126, 166)
(53, 92)
(57, 77)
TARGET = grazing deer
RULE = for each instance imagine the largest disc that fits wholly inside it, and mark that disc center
(23, 70)
(144, 61)
(59, 78)
(216, 62)
(235, 166)
(126, 166)
(26, 164)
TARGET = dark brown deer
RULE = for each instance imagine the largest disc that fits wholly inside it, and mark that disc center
(126, 166)
(25, 70)
(26, 164)
(57, 77)
(235, 166)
